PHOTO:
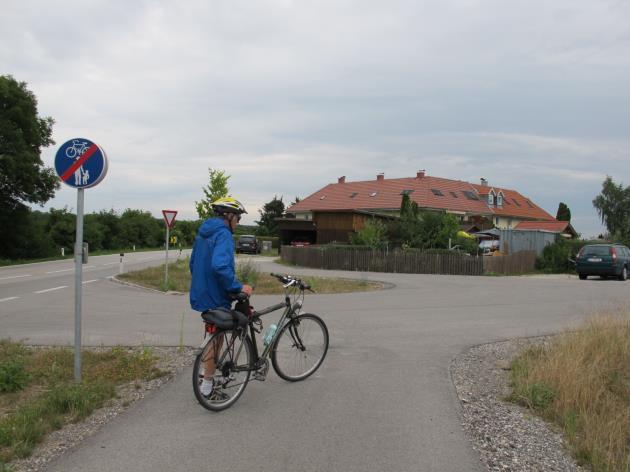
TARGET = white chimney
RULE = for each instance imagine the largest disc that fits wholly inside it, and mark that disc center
(484, 182)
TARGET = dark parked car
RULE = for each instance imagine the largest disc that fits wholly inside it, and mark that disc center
(248, 244)
(604, 260)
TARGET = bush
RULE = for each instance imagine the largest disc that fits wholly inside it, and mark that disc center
(13, 376)
(247, 272)
(558, 257)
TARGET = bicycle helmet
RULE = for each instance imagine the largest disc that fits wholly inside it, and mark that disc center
(228, 205)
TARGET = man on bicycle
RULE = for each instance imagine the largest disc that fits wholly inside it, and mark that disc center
(212, 268)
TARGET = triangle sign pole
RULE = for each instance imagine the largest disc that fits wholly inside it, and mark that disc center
(169, 219)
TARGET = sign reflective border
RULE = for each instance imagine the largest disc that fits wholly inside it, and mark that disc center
(80, 163)
(169, 217)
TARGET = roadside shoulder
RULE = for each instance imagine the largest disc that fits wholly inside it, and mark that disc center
(507, 436)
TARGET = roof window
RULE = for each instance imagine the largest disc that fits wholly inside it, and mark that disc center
(529, 204)
(516, 203)
(354, 194)
(437, 192)
(453, 194)
(491, 198)
(500, 199)
(470, 195)
(407, 192)
(373, 194)
(322, 197)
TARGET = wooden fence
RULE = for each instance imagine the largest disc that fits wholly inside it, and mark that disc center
(518, 263)
(408, 262)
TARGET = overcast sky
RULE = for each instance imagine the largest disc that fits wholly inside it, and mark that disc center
(286, 96)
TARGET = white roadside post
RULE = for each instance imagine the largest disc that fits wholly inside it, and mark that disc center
(169, 219)
(121, 267)
(81, 164)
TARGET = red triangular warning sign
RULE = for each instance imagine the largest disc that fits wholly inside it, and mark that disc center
(169, 217)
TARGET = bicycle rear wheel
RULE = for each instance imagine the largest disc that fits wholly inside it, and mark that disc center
(233, 356)
(300, 348)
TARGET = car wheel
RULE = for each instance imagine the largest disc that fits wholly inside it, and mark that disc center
(582, 276)
(624, 274)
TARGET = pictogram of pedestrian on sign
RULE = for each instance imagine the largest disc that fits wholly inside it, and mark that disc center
(80, 163)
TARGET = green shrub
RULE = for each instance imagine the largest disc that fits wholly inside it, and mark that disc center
(247, 272)
(13, 376)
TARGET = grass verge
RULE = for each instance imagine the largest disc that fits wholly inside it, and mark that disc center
(248, 272)
(38, 394)
(581, 382)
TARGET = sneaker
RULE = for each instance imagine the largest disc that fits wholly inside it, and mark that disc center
(206, 387)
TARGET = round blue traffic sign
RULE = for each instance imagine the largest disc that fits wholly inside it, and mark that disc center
(80, 163)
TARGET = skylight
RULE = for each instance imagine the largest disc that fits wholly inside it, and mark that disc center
(529, 204)
(322, 197)
(454, 194)
(354, 194)
(407, 192)
(373, 194)
(437, 192)
(516, 203)
(470, 195)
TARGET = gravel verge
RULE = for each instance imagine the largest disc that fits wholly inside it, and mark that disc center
(508, 437)
(170, 359)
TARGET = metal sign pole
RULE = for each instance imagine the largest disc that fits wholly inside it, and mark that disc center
(78, 260)
(166, 263)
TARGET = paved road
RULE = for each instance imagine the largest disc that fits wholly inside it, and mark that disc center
(383, 399)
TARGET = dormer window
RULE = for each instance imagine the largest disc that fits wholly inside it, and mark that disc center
(491, 198)
(500, 199)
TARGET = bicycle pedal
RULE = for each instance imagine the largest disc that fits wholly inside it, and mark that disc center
(259, 376)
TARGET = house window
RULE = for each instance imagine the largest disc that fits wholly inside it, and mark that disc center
(500, 199)
(436, 192)
(470, 195)
(496, 221)
(491, 198)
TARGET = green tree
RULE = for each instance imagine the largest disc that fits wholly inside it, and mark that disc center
(613, 207)
(62, 228)
(267, 226)
(23, 177)
(109, 224)
(216, 188)
(373, 234)
(139, 228)
(563, 213)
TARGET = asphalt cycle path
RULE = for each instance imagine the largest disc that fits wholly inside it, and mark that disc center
(382, 400)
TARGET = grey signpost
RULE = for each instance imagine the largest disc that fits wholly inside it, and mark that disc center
(81, 164)
(169, 219)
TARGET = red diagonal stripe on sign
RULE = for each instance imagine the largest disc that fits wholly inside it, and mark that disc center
(79, 162)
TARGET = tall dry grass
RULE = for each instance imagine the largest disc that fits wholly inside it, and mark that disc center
(581, 381)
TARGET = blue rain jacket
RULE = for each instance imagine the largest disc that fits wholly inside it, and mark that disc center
(212, 267)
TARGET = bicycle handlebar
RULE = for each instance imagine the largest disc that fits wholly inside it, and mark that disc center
(289, 280)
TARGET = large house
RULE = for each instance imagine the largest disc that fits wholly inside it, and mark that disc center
(335, 211)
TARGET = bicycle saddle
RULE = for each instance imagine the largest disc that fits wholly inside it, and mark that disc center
(223, 318)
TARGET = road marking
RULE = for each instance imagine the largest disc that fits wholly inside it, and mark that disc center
(56, 271)
(90, 281)
(14, 277)
(110, 263)
(7, 299)
(147, 259)
(51, 289)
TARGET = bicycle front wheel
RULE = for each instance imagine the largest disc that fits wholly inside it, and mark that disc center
(300, 347)
(231, 353)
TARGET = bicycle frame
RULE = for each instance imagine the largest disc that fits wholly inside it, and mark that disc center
(289, 311)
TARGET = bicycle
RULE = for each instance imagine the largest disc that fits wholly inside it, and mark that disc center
(297, 347)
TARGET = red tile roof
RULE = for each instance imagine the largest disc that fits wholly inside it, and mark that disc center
(554, 226)
(386, 194)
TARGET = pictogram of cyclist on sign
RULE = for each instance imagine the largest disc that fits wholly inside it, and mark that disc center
(80, 163)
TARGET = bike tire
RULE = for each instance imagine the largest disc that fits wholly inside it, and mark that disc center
(300, 347)
(233, 362)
